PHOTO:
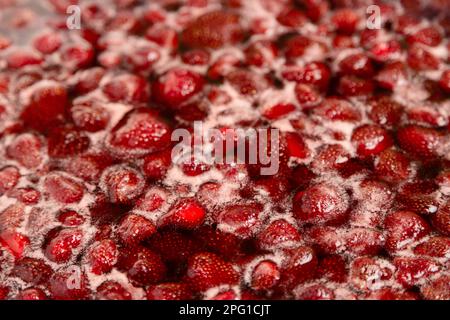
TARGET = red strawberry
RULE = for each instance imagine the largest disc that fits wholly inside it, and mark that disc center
(243, 220)
(127, 88)
(368, 274)
(437, 289)
(176, 87)
(26, 149)
(174, 246)
(134, 228)
(186, 214)
(32, 294)
(356, 64)
(329, 157)
(351, 86)
(207, 270)
(403, 228)
(227, 245)
(421, 59)
(63, 188)
(47, 106)
(15, 242)
(392, 294)
(370, 140)
(444, 82)
(321, 203)
(102, 256)
(412, 271)
(31, 270)
(139, 132)
(71, 218)
(385, 111)
(122, 184)
(337, 109)
(441, 220)
(213, 30)
(67, 141)
(69, 283)
(345, 20)
(392, 165)
(4, 291)
(419, 141)
(434, 247)
(112, 290)
(298, 266)
(332, 268)
(12, 217)
(279, 234)
(60, 244)
(313, 292)
(9, 177)
(169, 291)
(429, 36)
(143, 266)
(265, 275)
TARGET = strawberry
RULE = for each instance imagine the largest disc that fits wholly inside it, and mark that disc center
(227, 245)
(79, 285)
(67, 141)
(112, 290)
(174, 246)
(102, 256)
(26, 149)
(9, 177)
(243, 220)
(403, 228)
(370, 140)
(32, 294)
(392, 165)
(133, 229)
(437, 289)
(31, 270)
(186, 214)
(332, 268)
(265, 275)
(434, 247)
(337, 109)
(46, 107)
(418, 141)
(143, 266)
(60, 244)
(127, 88)
(385, 111)
(357, 64)
(139, 132)
(441, 220)
(176, 87)
(14, 242)
(213, 30)
(63, 188)
(411, 271)
(321, 203)
(278, 234)
(169, 291)
(206, 270)
(420, 59)
(313, 292)
(429, 36)
(298, 266)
